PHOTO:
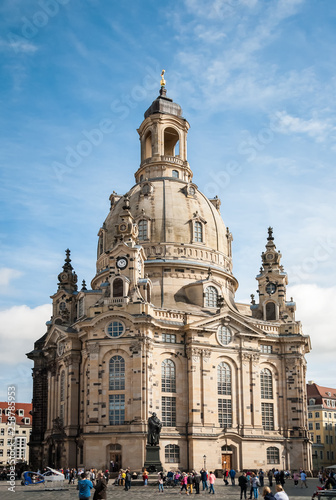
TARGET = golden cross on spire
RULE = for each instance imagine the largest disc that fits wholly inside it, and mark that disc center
(163, 81)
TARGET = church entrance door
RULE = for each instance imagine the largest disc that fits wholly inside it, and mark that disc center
(115, 462)
(226, 461)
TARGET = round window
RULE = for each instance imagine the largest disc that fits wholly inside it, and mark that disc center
(115, 329)
(224, 335)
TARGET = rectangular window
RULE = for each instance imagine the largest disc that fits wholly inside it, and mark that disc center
(20, 413)
(327, 439)
(266, 349)
(169, 337)
(1, 453)
(321, 455)
(310, 415)
(332, 455)
(329, 415)
(326, 426)
(168, 411)
(26, 420)
(267, 416)
(225, 412)
(2, 431)
(266, 386)
(310, 426)
(328, 455)
(331, 439)
(317, 414)
(317, 426)
(116, 409)
(318, 439)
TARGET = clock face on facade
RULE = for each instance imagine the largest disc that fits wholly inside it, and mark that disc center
(271, 288)
(122, 263)
(122, 228)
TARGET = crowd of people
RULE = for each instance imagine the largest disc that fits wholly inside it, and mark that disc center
(249, 482)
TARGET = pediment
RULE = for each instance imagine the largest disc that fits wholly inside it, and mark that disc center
(229, 318)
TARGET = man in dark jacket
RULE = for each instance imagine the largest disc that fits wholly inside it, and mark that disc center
(197, 480)
(242, 481)
(128, 479)
(100, 487)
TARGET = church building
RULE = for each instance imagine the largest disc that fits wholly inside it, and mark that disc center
(159, 331)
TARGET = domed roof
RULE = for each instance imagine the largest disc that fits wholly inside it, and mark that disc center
(172, 207)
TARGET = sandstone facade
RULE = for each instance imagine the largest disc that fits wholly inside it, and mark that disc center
(159, 331)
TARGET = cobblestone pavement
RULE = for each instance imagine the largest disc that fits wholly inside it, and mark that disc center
(143, 493)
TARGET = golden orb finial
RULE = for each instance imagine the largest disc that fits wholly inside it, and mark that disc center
(163, 81)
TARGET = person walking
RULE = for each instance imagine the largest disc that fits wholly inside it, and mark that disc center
(261, 478)
(296, 478)
(160, 481)
(84, 487)
(100, 487)
(232, 475)
(212, 479)
(242, 481)
(128, 480)
(145, 477)
(184, 482)
(255, 485)
(225, 477)
(280, 493)
(204, 478)
(303, 477)
(270, 477)
(197, 480)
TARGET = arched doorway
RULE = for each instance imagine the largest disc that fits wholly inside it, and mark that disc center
(227, 456)
(114, 457)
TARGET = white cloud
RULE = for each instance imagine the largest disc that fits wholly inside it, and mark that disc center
(315, 309)
(317, 129)
(20, 327)
(7, 275)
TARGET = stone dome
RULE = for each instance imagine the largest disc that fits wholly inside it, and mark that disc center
(180, 229)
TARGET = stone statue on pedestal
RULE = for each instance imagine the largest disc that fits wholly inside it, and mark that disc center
(154, 429)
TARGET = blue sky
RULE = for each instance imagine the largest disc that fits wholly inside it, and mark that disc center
(256, 80)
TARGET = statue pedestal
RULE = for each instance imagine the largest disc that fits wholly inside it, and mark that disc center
(153, 462)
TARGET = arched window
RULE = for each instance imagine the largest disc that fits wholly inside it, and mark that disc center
(266, 387)
(175, 174)
(273, 455)
(62, 386)
(148, 145)
(141, 178)
(211, 296)
(172, 453)
(270, 311)
(143, 229)
(171, 142)
(118, 287)
(224, 379)
(100, 245)
(168, 376)
(224, 335)
(198, 232)
(117, 374)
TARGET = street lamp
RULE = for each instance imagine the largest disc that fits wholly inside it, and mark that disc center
(283, 461)
(204, 462)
